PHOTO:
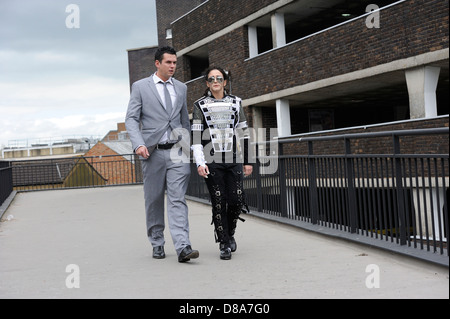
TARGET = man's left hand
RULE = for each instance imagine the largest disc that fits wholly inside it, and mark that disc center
(248, 170)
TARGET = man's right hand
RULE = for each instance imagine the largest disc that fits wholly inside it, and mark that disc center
(143, 151)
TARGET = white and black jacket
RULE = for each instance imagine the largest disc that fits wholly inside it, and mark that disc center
(220, 126)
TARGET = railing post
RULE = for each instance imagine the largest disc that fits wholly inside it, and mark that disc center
(6, 181)
(349, 167)
(313, 195)
(400, 190)
(282, 182)
(257, 170)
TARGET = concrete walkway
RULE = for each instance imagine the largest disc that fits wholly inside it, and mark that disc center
(51, 235)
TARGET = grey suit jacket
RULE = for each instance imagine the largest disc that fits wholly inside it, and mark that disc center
(147, 119)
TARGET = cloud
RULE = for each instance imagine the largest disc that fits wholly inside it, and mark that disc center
(75, 94)
(88, 107)
(60, 81)
(104, 24)
(88, 125)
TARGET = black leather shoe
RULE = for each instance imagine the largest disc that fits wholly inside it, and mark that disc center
(187, 254)
(233, 244)
(225, 252)
(158, 252)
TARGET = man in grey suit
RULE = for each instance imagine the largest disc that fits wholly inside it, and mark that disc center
(156, 117)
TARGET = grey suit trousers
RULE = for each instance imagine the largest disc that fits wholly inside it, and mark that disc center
(160, 175)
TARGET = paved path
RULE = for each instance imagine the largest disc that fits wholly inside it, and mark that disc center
(102, 232)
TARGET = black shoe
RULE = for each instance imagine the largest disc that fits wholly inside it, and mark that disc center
(158, 252)
(187, 253)
(225, 252)
(233, 244)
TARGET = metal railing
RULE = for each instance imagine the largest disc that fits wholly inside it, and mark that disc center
(76, 172)
(400, 199)
(6, 182)
(397, 198)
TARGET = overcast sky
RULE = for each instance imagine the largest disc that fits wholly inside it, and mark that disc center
(58, 80)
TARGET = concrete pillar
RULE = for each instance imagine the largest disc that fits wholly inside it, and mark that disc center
(422, 83)
(252, 41)
(278, 30)
(427, 211)
(258, 122)
(283, 118)
(258, 130)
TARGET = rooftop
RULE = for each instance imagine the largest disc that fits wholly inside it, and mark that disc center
(102, 232)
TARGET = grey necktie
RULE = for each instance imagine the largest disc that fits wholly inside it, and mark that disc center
(168, 99)
(168, 106)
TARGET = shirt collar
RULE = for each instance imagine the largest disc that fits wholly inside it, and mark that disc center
(157, 79)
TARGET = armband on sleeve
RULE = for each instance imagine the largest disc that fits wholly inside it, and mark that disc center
(198, 154)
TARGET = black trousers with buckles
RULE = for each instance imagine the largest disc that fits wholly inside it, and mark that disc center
(225, 186)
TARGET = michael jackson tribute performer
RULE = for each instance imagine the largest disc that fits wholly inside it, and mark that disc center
(220, 148)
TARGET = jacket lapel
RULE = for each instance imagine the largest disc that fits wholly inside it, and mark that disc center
(155, 92)
(176, 107)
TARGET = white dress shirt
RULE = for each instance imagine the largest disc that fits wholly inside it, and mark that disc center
(173, 96)
(160, 87)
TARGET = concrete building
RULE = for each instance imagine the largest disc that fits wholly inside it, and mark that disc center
(305, 66)
(47, 147)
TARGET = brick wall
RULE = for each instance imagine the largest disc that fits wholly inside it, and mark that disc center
(114, 168)
(338, 51)
(407, 29)
(114, 135)
(168, 11)
(141, 63)
(212, 17)
(230, 56)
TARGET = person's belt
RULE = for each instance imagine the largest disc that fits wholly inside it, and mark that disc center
(164, 146)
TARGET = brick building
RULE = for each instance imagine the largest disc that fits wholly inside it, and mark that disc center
(111, 157)
(141, 60)
(304, 66)
(329, 67)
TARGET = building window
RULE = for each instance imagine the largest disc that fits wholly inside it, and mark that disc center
(321, 120)
(168, 34)
(198, 62)
(260, 36)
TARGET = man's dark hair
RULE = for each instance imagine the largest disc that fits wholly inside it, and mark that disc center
(160, 53)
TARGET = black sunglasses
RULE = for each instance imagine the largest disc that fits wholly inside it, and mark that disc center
(212, 79)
